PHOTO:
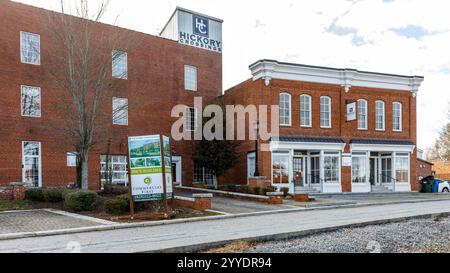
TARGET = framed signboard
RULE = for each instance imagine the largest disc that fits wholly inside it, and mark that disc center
(147, 170)
(351, 111)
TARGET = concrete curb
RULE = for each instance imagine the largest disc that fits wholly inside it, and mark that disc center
(296, 234)
(12, 236)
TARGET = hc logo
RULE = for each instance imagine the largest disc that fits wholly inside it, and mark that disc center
(201, 26)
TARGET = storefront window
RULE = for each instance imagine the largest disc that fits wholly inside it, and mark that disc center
(280, 168)
(402, 169)
(359, 168)
(114, 169)
(331, 168)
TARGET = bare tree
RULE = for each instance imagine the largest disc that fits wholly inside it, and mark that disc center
(88, 60)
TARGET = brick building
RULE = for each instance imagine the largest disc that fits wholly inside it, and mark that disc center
(341, 130)
(161, 73)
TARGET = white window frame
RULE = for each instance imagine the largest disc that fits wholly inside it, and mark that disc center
(407, 158)
(309, 125)
(289, 110)
(22, 88)
(39, 157)
(70, 157)
(113, 162)
(400, 117)
(363, 157)
(190, 78)
(188, 119)
(328, 112)
(117, 120)
(119, 64)
(366, 108)
(377, 115)
(22, 57)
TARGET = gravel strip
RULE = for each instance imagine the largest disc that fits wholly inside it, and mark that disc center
(417, 236)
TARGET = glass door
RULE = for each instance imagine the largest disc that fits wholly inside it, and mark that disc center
(31, 163)
(299, 171)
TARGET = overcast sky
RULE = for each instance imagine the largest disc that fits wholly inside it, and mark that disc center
(409, 37)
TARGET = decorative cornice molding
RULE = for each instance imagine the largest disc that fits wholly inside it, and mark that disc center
(347, 78)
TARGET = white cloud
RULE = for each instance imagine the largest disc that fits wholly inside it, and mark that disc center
(364, 38)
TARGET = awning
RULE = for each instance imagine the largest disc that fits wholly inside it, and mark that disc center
(382, 145)
(306, 143)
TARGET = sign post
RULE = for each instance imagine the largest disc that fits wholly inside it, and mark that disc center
(163, 160)
(148, 174)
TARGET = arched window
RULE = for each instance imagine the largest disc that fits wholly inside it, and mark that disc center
(325, 112)
(305, 111)
(380, 119)
(397, 117)
(362, 115)
(285, 109)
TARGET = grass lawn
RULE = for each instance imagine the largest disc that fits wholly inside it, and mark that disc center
(6, 205)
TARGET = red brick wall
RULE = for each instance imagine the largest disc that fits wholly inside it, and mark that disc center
(424, 169)
(155, 84)
(257, 93)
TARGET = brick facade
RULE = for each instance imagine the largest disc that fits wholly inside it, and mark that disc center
(257, 93)
(155, 84)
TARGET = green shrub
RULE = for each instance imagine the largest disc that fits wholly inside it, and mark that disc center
(117, 206)
(269, 189)
(115, 189)
(257, 190)
(285, 191)
(53, 195)
(81, 200)
(34, 194)
(244, 189)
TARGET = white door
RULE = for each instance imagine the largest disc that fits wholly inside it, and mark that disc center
(250, 165)
(31, 163)
(177, 170)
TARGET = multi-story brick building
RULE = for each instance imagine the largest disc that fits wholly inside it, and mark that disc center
(161, 73)
(341, 130)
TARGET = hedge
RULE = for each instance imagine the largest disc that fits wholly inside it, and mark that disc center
(81, 200)
(34, 194)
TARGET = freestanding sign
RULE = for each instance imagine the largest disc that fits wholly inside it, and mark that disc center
(147, 170)
(351, 111)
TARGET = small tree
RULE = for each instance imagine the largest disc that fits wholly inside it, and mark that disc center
(218, 156)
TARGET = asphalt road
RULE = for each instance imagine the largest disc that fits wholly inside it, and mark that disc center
(205, 232)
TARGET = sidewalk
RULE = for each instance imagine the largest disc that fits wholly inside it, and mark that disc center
(188, 236)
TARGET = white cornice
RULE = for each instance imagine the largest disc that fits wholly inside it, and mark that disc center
(270, 69)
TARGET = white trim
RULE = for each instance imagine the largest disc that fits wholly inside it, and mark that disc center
(384, 116)
(271, 69)
(178, 160)
(382, 148)
(190, 69)
(310, 111)
(401, 116)
(366, 114)
(21, 56)
(21, 101)
(277, 146)
(330, 101)
(40, 162)
(290, 108)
